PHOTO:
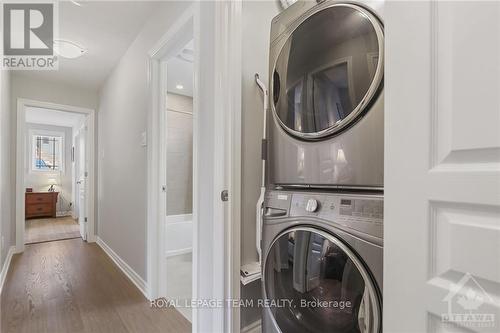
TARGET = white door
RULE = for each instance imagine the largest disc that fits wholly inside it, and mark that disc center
(442, 176)
(82, 174)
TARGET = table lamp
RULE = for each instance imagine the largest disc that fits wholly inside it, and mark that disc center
(52, 183)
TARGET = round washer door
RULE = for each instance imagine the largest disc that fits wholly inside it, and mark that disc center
(328, 71)
(314, 283)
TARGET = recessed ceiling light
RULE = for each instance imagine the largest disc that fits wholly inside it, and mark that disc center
(179, 86)
(68, 49)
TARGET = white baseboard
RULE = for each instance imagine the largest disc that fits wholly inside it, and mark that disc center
(6, 265)
(136, 279)
(64, 214)
(254, 327)
(173, 253)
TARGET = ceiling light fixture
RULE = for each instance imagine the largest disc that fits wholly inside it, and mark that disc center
(179, 86)
(186, 55)
(68, 49)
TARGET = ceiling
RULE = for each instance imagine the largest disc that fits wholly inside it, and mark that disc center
(180, 72)
(52, 117)
(106, 29)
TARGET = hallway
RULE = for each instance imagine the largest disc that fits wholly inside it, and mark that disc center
(73, 286)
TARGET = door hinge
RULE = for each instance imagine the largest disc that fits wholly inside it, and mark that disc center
(224, 195)
(85, 220)
(164, 188)
(86, 174)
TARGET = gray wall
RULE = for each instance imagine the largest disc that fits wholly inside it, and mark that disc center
(257, 16)
(123, 114)
(179, 154)
(7, 224)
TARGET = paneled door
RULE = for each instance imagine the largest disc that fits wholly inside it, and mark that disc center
(442, 170)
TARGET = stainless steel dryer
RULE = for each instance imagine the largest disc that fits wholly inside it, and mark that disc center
(326, 82)
(323, 263)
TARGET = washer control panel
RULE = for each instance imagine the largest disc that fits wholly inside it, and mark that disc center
(363, 213)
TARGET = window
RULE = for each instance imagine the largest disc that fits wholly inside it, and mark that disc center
(47, 153)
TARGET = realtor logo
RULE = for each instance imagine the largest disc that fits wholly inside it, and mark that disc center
(28, 36)
(465, 300)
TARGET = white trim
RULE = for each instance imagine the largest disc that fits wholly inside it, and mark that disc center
(20, 164)
(173, 253)
(179, 111)
(5, 267)
(132, 275)
(179, 218)
(234, 133)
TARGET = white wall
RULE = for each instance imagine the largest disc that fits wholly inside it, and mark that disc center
(255, 60)
(123, 113)
(7, 220)
(39, 180)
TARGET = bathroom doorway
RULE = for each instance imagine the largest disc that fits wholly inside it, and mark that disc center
(179, 189)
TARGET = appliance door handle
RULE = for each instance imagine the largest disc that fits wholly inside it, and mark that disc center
(274, 212)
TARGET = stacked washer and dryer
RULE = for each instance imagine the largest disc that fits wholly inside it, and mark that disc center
(322, 236)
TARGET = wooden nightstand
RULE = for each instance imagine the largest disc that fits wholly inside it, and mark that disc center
(40, 204)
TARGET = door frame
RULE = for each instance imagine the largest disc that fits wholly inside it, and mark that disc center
(22, 104)
(215, 28)
(82, 131)
(167, 47)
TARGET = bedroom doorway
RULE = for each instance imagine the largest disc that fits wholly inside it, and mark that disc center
(53, 182)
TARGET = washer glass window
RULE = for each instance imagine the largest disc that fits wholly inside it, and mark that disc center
(328, 70)
(314, 283)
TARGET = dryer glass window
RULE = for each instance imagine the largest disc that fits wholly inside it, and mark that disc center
(321, 287)
(328, 70)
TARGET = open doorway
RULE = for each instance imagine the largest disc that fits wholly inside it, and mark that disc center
(179, 175)
(54, 150)
(50, 200)
(172, 253)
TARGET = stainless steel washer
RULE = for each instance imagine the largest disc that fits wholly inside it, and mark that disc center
(326, 127)
(323, 259)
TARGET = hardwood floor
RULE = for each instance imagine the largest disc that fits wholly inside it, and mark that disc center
(73, 286)
(44, 230)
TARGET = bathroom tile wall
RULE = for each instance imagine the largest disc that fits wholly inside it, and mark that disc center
(179, 154)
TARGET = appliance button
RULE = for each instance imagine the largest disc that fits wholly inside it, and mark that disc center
(312, 205)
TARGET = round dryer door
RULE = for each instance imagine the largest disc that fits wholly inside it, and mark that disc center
(314, 283)
(328, 70)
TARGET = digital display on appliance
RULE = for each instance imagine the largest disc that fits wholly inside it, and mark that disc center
(345, 202)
